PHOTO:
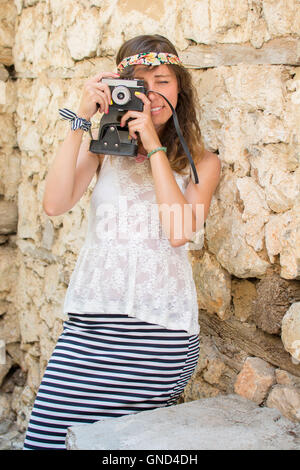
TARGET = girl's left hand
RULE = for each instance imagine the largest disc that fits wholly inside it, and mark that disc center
(143, 124)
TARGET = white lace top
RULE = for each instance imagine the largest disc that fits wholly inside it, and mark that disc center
(127, 264)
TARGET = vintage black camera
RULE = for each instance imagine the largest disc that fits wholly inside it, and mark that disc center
(112, 138)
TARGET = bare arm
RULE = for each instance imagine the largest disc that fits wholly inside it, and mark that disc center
(70, 174)
(74, 166)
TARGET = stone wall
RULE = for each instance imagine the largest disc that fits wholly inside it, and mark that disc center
(244, 56)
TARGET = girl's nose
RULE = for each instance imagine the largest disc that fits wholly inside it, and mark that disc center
(151, 95)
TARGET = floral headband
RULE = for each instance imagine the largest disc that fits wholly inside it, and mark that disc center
(150, 58)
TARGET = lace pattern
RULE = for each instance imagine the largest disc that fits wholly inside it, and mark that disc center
(127, 264)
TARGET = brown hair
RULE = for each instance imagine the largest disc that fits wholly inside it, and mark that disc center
(186, 105)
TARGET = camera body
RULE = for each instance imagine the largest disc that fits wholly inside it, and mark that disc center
(123, 93)
(112, 138)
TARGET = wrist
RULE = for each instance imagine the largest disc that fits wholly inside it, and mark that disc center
(156, 150)
(153, 146)
(83, 115)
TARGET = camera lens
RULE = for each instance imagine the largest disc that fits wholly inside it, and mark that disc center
(121, 95)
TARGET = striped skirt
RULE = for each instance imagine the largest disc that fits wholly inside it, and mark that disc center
(106, 366)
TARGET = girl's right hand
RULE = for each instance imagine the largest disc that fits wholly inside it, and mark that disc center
(95, 92)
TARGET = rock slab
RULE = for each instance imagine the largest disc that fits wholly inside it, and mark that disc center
(225, 422)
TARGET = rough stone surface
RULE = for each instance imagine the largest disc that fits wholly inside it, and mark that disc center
(285, 398)
(243, 295)
(290, 333)
(274, 296)
(247, 261)
(255, 379)
(222, 423)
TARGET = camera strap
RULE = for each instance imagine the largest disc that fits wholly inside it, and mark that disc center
(194, 175)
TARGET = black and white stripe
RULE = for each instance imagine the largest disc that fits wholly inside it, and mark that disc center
(105, 366)
(76, 122)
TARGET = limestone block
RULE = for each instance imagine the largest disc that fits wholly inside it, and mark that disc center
(214, 371)
(282, 237)
(265, 127)
(48, 234)
(28, 292)
(7, 23)
(14, 351)
(282, 50)
(215, 21)
(243, 296)
(285, 378)
(33, 368)
(291, 113)
(226, 17)
(16, 396)
(25, 406)
(124, 19)
(233, 142)
(259, 115)
(215, 106)
(28, 211)
(227, 422)
(9, 173)
(33, 97)
(195, 26)
(60, 56)
(255, 379)
(3, 73)
(9, 137)
(274, 296)
(226, 236)
(9, 325)
(247, 86)
(276, 168)
(8, 217)
(84, 34)
(290, 330)
(29, 139)
(2, 352)
(5, 367)
(286, 399)
(213, 286)
(8, 96)
(255, 212)
(4, 407)
(30, 50)
(199, 388)
(8, 271)
(282, 17)
(2, 94)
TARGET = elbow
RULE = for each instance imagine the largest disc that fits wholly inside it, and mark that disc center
(48, 210)
(177, 242)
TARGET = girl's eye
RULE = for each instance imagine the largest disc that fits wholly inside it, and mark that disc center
(163, 82)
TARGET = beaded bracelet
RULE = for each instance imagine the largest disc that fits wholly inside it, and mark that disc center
(156, 150)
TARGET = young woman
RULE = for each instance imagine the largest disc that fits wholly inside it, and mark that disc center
(131, 341)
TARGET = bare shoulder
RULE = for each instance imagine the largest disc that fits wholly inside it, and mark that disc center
(210, 164)
(210, 158)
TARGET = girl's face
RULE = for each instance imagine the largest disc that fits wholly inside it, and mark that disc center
(162, 79)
